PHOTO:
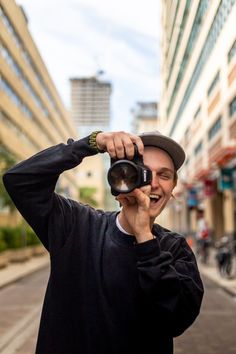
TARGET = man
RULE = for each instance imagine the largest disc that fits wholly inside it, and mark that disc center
(203, 238)
(119, 283)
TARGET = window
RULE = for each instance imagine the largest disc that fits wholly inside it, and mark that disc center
(214, 129)
(211, 40)
(18, 131)
(198, 148)
(28, 61)
(232, 107)
(202, 8)
(213, 84)
(232, 52)
(197, 113)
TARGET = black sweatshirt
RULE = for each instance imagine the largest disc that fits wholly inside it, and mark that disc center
(106, 294)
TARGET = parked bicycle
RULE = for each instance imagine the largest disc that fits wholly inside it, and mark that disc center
(225, 257)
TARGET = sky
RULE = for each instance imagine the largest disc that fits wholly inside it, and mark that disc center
(81, 37)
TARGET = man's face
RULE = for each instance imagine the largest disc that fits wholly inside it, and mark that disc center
(163, 178)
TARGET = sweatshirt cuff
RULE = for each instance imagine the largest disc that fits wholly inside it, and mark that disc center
(148, 249)
(82, 145)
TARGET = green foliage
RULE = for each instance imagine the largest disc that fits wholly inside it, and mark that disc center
(87, 196)
(31, 238)
(13, 237)
(18, 237)
(7, 160)
(3, 244)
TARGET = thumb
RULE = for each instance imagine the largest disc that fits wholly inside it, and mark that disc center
(142, 197)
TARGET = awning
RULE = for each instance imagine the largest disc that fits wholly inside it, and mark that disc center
(202, 174)
(224, 155)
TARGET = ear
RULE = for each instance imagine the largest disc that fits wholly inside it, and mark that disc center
(172, 195)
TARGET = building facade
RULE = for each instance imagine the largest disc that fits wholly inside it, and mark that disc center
(145, 117)
(90, 109)
(90, 104)
(32, 115)
(198, 109)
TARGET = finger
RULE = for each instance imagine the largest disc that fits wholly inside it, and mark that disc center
(146, 189)
(138, 141)
(124, 145)
(126, 200)
(119, 146)
(129, 147)
(131, 200)
(142, 198)
(123, 201)
(111, 148)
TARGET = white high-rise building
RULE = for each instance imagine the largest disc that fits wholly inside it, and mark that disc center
(90, 109)
(90, 104)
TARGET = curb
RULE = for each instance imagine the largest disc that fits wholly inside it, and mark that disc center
(16, 271)
(229, 286)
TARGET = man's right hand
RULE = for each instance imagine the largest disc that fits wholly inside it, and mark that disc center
(119, 144)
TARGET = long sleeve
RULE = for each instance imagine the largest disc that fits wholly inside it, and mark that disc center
(31, 184)
(170, 281)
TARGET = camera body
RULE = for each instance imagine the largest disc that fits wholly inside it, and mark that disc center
(125, 175)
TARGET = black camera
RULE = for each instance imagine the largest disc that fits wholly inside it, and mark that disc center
(125, 175)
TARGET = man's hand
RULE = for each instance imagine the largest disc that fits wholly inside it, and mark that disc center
(135, 212)
(119, 144)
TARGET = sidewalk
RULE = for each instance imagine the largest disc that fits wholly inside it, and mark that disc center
(16, 271)
(211, 272)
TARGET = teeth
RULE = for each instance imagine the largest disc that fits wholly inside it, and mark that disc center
(154, 196)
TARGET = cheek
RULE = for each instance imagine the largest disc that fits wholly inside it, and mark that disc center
(168, 189)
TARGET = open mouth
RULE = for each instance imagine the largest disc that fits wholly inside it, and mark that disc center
(154, 198)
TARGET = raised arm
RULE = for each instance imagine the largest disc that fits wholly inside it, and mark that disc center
(31, 183)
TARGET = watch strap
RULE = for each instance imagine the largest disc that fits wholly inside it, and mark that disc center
(93, 142)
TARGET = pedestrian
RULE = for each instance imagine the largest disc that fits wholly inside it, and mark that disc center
(119, 283)
(203, 237)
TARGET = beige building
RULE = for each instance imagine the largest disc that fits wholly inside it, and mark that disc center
(198, 109)
(145, 117)
(90, 109)
(32, 115)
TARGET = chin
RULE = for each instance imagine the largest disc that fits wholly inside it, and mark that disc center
(156, 212)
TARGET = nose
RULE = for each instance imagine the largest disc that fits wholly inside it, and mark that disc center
(155, 181)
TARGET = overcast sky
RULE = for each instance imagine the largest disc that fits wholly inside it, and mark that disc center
(79, 37)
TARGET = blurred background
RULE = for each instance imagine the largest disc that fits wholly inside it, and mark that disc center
(69, 67)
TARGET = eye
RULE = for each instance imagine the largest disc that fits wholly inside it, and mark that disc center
(165, 176)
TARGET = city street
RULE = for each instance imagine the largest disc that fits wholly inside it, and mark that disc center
(214, 330)
(20, 306)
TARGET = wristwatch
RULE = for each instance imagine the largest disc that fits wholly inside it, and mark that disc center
(93, 142)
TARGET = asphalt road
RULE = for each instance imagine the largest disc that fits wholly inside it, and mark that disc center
(20, 306)
(20, 309)
(214, 331)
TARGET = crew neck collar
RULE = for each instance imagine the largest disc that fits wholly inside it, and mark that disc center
(118, 224)
(117, 235)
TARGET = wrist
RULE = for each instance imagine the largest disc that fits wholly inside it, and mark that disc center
(144, 237)
(93, 141)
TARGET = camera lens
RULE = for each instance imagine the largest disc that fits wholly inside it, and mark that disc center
(123, 176)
